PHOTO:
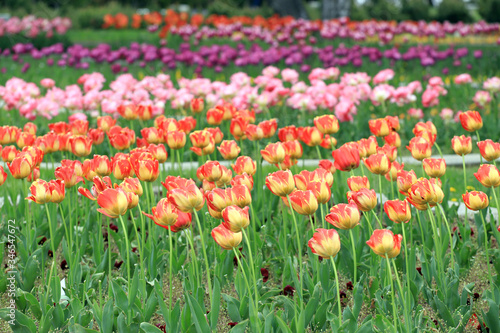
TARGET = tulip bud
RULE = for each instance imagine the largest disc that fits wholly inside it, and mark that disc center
(235, 218)
(344, 216)
(304, 202)
(356, 183)
(240, 195)
(461, 145)
(229, 149)
(384, 243)
(113, 202)
(488, 175)
(378, 164)
(471, 121)
(398, 211)
(475, 200)
(40, 192)
(325, 243)
(434, 167)
(280, 183)
(273, 153)
(226, 239)
(327, 124)
(364, 199)
(489, 150)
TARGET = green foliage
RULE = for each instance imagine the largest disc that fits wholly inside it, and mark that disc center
(453, 11)
(489, 10)
(382, 10)
(415, 10)
(233, 8)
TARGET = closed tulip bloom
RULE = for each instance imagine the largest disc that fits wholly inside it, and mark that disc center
(378, 164)
(393, 139)
(187, 124)
(240, 195)
(393, 122)
(288, 133)
(489, 149)
(113, 202)
(120, 140)
(40, 192)
(235, 218)
(280, 183)
(3, 176)
(146, 170)
(304, 202)
(367, 147)
(293, 149)
(81, 145)
(187, 199)
(225, 179)
(327, 124)
(214, 116)
(101, 165)
(24, 139)
(328, 142)
(152, 135)
(122, 169)
(217, 200)
(254, 132)
(167, 124)
(356, 183)
(269, 127)
(273, 153)
(9, 153)
(379, 127)
(405, 180)
(475, 200)
(211, 171)
(327, 165)
(200, 139)
(164, 213)
(207, 150)
(488, 175)
(68, 175)
(159, 152)
(145, 112)
(79, 127)
(390, 151)
(216, 134)
(183, 222)
(229, 149)
(197, 105)
(175, 139)
(344, 216)
(321, 191)
(419, 148)
(30, 128)
(423, 193)
(172, 182)
(311, 136)
(398, 211)
(105, 123)
(384, 243)
(96, 135)
(364, 199)
(392, 175)
(243, 179)
(132, 185)
(421, 128)
(8, 134)
(325, 243)
(238, 127)
(346, 158)
(57, 190)
(34, 175)
(434, 167)
(21, 166)
(128, 112)
(226, 239)
(471, 121)
(207, 186)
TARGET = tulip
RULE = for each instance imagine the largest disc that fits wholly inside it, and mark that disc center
(172, 182)
(211, 171)
(122, 169)
(420, 148)
(475, 200)
(57, 190)
(405, 180)
(384, 243)
(390, 151)
(197, 105)
(145, 112)
(378, 164)
(34, 175)
(128, 112)
(79, 127)
(183, 222)
(346, 158)
(367, 147)
(288, 133)
(3, 176)
(280, 183)
(268, 127)
(344, 216)
(304, 202)
(152, 135)
(293, 149)
(393, 122)
(235, 218)
(166, 124)
(356, 183)
(273, 153)
(146, 169)
(398, 211)
(364, 199)
(327, 165)
(175, 139)
(30, 128)
(489, 149)
(164, 213)
(187, 199)
(24, 139)
(105, 123)
(217, 200)
(120, 140)
(81, 145)
(243, 179)
(214, 116)
(423, 193)
(132, 185)
(321, 191)
(216, 134)
(238, 127)
(226, 239)
(68, 175)
(187, 124)
(379, 127)
(311, 136)
(229, 149)
(240, 195)
(21, 166)
(327, 124)
(434, 167)
(40, 192)
(488, 175)
(392, 175)
(9, 153)
(207, 150)
(96, 135)
(325, 243)
(471, 121)
(393, 139)
(254, 132)
(60, 127)
(200, 139)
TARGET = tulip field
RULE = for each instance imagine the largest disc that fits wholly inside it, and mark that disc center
(240, 175)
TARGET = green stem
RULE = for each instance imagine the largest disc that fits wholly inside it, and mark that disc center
(70, 246)
(353, 256)
(243, 231)
(380, 195)
(402, 295)
(193, 255)
(127, 245)
(323, 222)
(27, 213)
(496, 198)
(465, 190)
(141, 253)
(110, 291)
(437, 238)
(394, 313)
(179, 162)
(486, 247)
(52, 245)
(319, 152)
(378, 220)
(299, 248)
(237, 254)
(408, 290)
(438, 149)
(450, 235)
(204, 250)
(339, 305)
(170, 269)
(479, 139)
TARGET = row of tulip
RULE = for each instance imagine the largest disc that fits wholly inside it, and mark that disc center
(32, 26)
(240, 211)
(223, 56)
(287, 29)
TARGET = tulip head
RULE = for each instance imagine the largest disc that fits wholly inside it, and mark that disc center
(226, 239)
(475, 200)
(280, 183)
(235, 218)
(398, 211)
(325, 243)
(384, 243)
(344, 216)
(488, 175)
(471, 121)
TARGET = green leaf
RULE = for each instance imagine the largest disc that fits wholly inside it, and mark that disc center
(77, 328)
(241, 327)
(312, 305)
(199, 317)
(148, 328)
(232, 307)
(21, 322)
(283, 326)
(107, 317)
(214, 312)
(120, 297)
(491, 317)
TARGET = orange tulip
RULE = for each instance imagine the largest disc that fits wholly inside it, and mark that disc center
(57, 190)
(344, 216)
(3, 176)
(30, 128)
(238, 127)
(21, 166)
(60, 127)
(475, 200)
(217, 200)
(187, 124)
(393, 139)
(187, 198)
(434, 167)
(200, 139)
(393, 122)
(288, 133)
(166, 124)
(81, 145)
(96, 135)
(152, 135)
(489, 149)
(268, 127)
(304, 202)
(311, 136)
(405, 180)
(128, 112)
(293, 149)
(488, 175)
(211, 171)
(214, 116)
(175, 139)
(346, 158)
(471, 121)
(384, 243)
(273, 153)
(216, 134)
(229, 149)
(172, 182)
(364, 199)
(243, 179)
(183, 222)
(226, 239)
(159, 152)
(105, 123)
(398, 211)
(164, 213)
(9, 153)
(101, 165)
(356, 183)
(327, 165)
(145, 166)
(132, 185)
(419, 148)
(145, 112)
(68, 175)
(122, 169)
(240, 195)
(327, 124)
(367, 147)
(40, 192)
(254, 132)
(207, 150)
(390, 151)
(325, 243)
(378, 164)
(25, 139)
(79, 127)
(423, 192)
(235, 218)
(197, 105)
(379, 127)
(280, 183)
